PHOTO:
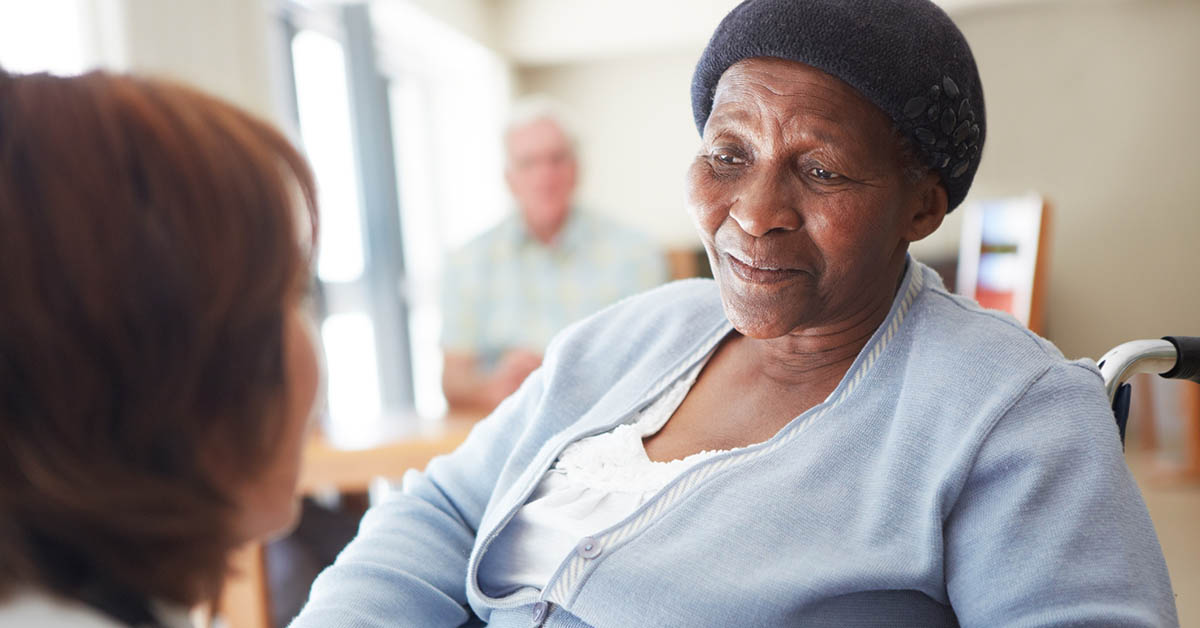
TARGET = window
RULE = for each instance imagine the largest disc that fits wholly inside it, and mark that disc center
(324, 112)
(45, 36)
(401, 118)
(449, 96)
(341, 112)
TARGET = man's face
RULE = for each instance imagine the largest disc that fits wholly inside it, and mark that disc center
(541, 174)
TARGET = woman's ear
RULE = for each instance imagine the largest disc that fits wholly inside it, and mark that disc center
(931, 208)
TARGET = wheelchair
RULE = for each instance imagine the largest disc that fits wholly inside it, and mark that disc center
(1172, 357)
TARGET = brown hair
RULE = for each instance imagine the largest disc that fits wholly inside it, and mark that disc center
(150, 236)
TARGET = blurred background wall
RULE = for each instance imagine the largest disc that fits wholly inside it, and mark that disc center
(1091, 104)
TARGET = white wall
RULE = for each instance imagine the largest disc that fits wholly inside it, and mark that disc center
(1092, 103)
(636, 136)
(1095, 105)
(474, 18)
(222, 46)
(535, 32)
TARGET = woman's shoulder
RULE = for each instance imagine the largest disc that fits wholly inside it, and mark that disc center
(960, 327)
(978, 365)
(679, 312)
(34, 608)
(638, 340)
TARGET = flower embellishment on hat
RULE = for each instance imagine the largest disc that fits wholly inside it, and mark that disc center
(943, 124)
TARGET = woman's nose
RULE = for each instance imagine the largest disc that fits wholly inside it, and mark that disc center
(767, 203)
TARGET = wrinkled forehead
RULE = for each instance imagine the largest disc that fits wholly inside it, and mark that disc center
(766, 91)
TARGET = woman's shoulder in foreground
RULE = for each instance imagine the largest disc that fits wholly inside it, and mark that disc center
(33, 608)
(27, 608)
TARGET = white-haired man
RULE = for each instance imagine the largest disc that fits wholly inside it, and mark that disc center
(506, 293)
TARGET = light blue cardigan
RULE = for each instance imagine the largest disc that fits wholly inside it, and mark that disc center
(962, 471)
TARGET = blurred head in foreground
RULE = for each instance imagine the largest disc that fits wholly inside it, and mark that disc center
(157, 371)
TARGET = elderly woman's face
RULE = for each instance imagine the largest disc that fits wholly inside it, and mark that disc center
(801, 198)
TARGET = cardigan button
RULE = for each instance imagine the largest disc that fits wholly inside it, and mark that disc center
(588, 547)
(540, 611)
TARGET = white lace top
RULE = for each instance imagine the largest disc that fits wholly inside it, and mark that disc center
(595, 483)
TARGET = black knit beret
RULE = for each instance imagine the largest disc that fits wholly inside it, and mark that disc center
(905, 56)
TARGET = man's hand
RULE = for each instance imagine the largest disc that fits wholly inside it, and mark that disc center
(514, 367)
(468, 388)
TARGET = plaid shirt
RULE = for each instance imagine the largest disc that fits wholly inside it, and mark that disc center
(506, 289)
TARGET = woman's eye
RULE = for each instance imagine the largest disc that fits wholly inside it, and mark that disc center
(728, 158)
(824, 174)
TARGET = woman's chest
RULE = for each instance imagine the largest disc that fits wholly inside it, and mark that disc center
(729, 410)
(804, 528)
(775, 542)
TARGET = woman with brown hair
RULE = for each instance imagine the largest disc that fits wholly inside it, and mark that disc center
(157, 372)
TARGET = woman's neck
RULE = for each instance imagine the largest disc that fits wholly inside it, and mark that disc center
(820, 354)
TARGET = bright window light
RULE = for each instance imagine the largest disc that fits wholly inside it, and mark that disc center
(448, 96)
(42, 36)
(422, 240)
(354, 402)
(323, 102)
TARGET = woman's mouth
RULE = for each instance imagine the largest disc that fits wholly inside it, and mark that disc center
(760, 274)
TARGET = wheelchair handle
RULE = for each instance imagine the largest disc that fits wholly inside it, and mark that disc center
(1173, 357)
(1187, 365)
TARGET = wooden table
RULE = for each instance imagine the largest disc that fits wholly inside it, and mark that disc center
(245, 601)
(327, 468)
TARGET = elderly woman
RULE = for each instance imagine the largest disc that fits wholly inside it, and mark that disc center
(823, 435)
(157, 373)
